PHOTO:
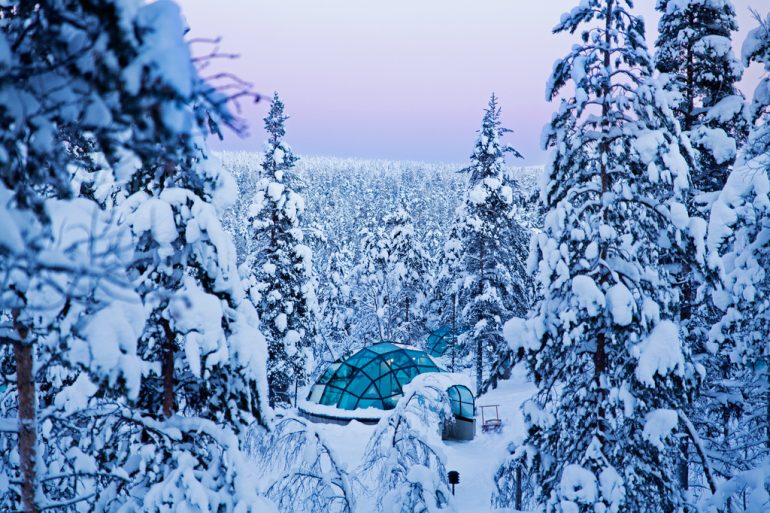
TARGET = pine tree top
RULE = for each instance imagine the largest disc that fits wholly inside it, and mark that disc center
(279, 157)
(275, 120)
(488, 158)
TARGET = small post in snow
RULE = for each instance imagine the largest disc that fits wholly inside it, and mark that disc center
(454, 479)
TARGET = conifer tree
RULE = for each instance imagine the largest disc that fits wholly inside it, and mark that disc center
(603, 349)
(336, 305)
(408, 276)
(737, 433)
(756, 48)
(282, 265)
(495, 283)
(694, 47)
(443, 306)
(109, 106)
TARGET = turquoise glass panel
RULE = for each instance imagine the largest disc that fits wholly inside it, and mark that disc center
(374, 376)
(347, 401)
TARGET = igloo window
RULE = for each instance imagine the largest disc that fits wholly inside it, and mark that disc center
(463, 404)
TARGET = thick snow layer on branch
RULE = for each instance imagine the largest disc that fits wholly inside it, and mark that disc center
(660, 353)
(658, 425)
(588, 294)
(165, 53)
(747, 187)
(157, 217)
(10, 235)
(621, 304)
(578, 485)
(198, 315)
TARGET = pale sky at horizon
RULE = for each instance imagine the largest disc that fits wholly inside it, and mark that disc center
(403, 79)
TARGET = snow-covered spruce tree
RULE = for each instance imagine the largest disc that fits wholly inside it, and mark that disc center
(695, 51)
(496, 285)
(756, 48)
(392, 277)
(408, 274)
(284, 290)
(443, 307)
(176, 438)
(371, 293)
(738, 253)
(694, 48)
(336, 305)
(603, 350)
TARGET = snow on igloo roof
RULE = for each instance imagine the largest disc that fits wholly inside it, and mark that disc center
(373, 377)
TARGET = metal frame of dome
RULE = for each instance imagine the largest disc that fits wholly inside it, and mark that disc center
(439, 340)
(373, 377)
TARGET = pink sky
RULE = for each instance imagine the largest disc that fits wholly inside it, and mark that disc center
(400, 79)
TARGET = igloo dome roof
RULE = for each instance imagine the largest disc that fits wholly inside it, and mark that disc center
(373, 377)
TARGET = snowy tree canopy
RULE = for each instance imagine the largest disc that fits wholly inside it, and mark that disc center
(694, 48)
(602, 347)
(281, 269)
(487, 257)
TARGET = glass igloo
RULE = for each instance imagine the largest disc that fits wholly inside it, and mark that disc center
(373, 377)
(440, 340)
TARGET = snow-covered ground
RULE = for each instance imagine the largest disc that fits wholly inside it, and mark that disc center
(476, 460)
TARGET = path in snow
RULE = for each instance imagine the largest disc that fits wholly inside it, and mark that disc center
(476, 460)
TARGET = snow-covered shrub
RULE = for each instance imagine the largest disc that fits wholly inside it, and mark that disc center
(514, 486)
(403, 469)
(176, 464)
(297, 469)
(738, 255)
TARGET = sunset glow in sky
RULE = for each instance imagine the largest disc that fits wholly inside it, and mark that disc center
(401, 79)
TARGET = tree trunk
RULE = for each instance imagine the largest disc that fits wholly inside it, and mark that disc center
(684, 464)
(689, 117)
(517, 503)
(479, 340)
(167, 368)
(685, 315)
(454, 332)
(600, 356)
(27, 425)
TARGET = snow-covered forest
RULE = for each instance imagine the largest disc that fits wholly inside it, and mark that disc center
(197, 331)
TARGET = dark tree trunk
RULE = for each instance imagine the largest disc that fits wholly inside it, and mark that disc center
(167, 369)
(600, 356)
(689, 116)
(454, 331)
(517, 477)
(479, 340)
(27, 424)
